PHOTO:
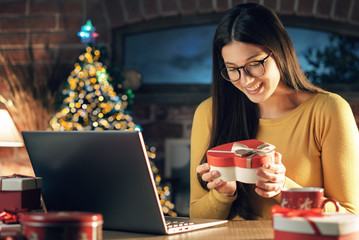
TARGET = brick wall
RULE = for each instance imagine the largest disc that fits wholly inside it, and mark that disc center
(50, 28)
(40, 23)
(159, 122)
(54, 24)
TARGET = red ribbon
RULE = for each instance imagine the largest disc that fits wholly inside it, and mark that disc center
(304, 213)
(8, 216)
(15, 175)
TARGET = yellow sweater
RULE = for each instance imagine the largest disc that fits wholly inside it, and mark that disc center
(319, 142)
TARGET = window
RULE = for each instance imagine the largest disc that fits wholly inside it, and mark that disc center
(177, 60)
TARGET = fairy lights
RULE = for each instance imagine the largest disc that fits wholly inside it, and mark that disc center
(88, 33)
(91, 103)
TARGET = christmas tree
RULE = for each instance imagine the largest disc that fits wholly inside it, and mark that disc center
(91, 103)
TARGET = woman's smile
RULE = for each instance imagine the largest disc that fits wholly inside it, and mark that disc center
(254, 89)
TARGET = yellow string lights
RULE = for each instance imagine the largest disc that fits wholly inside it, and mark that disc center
(91, 103)
(163, 191)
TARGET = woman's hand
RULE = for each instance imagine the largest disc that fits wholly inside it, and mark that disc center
(226, 188)
(274, 178)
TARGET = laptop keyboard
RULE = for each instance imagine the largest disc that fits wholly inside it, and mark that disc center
(183, 224)
(178, 223)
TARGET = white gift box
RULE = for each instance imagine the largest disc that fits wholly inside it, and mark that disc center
(330, 226)
(20, 183)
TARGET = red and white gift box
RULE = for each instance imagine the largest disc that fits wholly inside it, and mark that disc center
(312, 224)
(239, 161)
(20, 192)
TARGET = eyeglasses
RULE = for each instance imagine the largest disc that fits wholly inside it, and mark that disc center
(253, 69)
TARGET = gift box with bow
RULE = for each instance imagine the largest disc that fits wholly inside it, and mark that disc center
(312, 224)
(20, 192)
(239, 161)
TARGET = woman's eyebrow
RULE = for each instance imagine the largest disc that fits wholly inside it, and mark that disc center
(253, 56)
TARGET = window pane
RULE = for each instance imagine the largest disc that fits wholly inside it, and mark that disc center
(183, 55)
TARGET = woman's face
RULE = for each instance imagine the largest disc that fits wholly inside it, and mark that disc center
(257, 89)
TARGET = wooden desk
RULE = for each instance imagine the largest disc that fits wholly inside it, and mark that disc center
(236, 230)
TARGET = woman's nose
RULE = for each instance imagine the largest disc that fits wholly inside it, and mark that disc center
(245, 78)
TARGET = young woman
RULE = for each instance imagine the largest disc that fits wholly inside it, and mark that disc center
(259, 92)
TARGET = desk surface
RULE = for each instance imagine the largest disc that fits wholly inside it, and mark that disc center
(259, 230)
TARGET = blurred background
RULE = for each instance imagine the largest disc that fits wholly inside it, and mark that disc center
(157, 59)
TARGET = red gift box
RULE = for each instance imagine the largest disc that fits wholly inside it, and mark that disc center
(312, 224)
(239, 161)
(20, 192)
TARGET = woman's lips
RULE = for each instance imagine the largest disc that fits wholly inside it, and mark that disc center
(254, 89)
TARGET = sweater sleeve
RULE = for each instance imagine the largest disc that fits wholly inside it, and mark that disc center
(339, 139)
(204, 204)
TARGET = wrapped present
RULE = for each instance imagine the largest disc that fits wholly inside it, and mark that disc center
(312, 224)
(11, 232)
(20, 192)
(239, 161)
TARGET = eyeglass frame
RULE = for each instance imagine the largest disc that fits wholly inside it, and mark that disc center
(244, 68)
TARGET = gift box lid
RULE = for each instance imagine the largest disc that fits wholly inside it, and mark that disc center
(9, 227)
(60, 217)
(245, 154)
(16, 183)
(330, 224)
(10, 231)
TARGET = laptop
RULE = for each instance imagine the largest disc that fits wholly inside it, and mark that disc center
(106, 172)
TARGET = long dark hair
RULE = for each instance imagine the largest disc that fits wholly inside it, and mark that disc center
(234, 116)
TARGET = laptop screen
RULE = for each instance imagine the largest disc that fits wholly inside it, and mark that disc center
(106, 172)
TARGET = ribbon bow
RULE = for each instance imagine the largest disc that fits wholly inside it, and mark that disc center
(304, 213)
(244, 151)
(9, 216)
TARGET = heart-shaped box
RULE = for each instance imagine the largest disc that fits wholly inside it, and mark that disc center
(239, 161)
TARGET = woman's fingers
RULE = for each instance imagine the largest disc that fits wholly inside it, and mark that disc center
(214, 182)
(274, 168)
(210, 176)
(207, 175)
(277, 158)
(268, 194)
(268, 186)
(226, 188)
(273, 178)
(203, 168)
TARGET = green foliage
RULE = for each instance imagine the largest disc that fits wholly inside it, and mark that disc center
(337, 62)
